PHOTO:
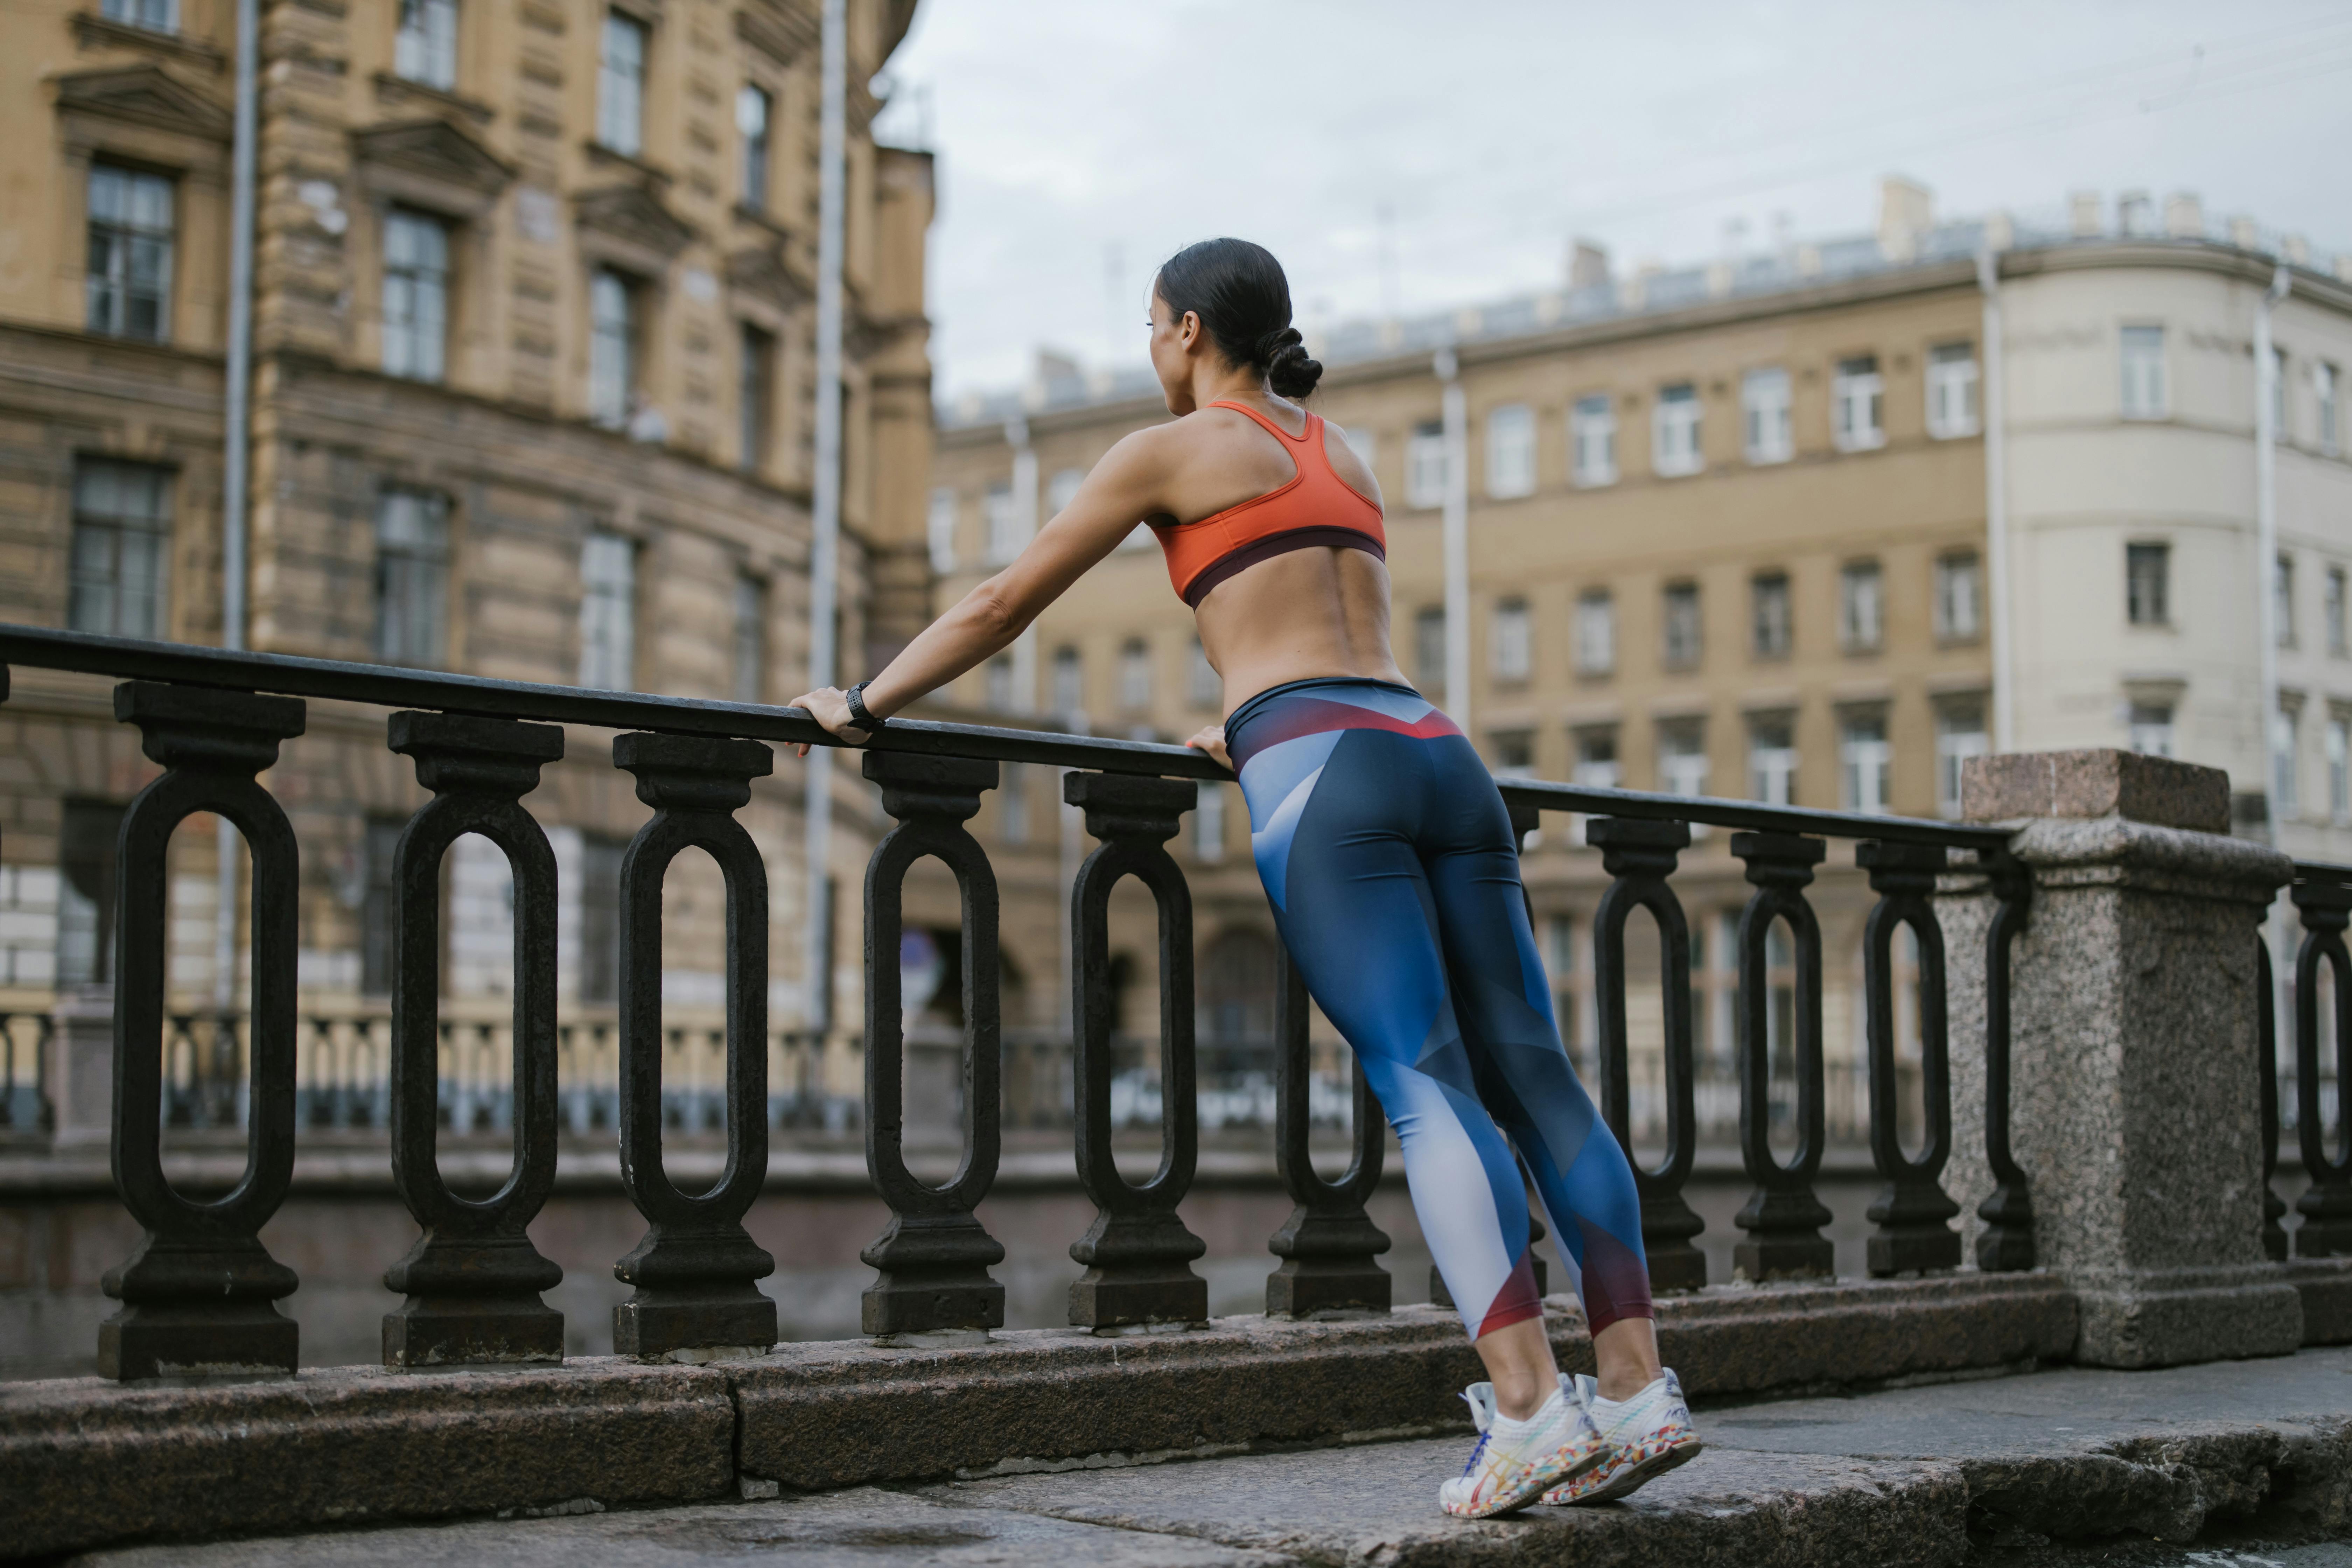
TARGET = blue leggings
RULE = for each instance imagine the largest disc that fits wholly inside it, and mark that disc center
(1388, 856)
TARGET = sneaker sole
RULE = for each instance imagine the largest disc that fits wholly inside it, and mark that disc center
(1530, 1492)
(1636, 1475)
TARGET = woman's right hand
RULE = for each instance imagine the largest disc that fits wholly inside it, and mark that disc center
(1212, 741)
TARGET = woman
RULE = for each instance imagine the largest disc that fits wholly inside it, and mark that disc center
(1385, 851)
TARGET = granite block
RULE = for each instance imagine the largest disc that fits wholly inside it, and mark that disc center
(2097, 783)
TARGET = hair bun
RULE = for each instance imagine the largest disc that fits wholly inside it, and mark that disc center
(1288, 369)
(1275, 342)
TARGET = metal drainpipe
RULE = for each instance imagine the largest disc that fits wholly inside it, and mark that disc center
(235, 454)
(1998, 604)
(1456, 540)
(2266, 538)
(825, 549)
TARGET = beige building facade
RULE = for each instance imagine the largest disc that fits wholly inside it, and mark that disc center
(534, 359)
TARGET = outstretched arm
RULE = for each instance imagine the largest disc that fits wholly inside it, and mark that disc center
(1127, 485)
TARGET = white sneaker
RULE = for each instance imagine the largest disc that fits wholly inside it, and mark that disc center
(1516, 1460)
(1643, 1436)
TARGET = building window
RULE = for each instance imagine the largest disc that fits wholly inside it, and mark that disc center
(1515, 753)
(1201, 683)
(940, 524)
(85, 840)
(121, 519)
(1209, 823)
(1511, 641)
(2286, 762)
(621, 85)
(1511, 451)
(1857, 404)
(755, 357)
(412, 576)
(155, 16)
(1135, 676)
(2334, 609)
(2151, 728)
(996, 683)
(1596, 633)
(753, 109)
(1764, 409)
(1682, 758)
(1773, 630)
(2325, 381)
(1596, 758)
(1960, 735)
(1593, 441)
(1004, 535)
(1429, 650)
(1674, 430)
(2143, 393)
(751, 638)
(2282, 601)
(1424, 467)
(1069, 683)
(612, 348)
(1685, 635)
(600, 916)
(1866, 761)
(1772, 759)
(1061, 489)
(130, 254)
(1960, 598)
(608, 612)
(380, 836)
(1862, 617)
(425, 47)
(1951, 391)
(1012, 805)
(2148, 572)
(415, 295)
(2339, 767)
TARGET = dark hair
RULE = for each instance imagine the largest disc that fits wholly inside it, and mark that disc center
(1243, 299)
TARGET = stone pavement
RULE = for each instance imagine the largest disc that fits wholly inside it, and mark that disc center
(2233, 1463)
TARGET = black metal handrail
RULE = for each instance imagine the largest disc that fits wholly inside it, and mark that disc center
(200, 1292)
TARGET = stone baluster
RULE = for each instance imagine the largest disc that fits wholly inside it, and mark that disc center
(1782, 1218)
(197, 1293)
(695, 1271)
(1329, 1245)
(1912, 1215)
(1137, 1252)
(934, 1258)
(2327, 1204)
(1639, 857)
(473, 1279)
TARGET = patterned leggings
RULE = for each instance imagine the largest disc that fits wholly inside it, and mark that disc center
(1388, 856)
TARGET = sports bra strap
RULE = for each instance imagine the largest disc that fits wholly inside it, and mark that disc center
(1314, 421)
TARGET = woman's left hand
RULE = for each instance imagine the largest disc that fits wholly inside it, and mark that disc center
(830, 708)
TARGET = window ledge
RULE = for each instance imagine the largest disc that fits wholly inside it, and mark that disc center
(400, 91)
(600, 153)
(94, 31)
(763, 219)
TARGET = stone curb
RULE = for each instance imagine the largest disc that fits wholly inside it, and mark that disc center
(84, 1462)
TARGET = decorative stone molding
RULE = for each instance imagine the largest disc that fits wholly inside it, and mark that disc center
(760, 277)
(628, 227)
(92, 31)
(430, 163)
(782, 33)
(399, 93)
(146, 94)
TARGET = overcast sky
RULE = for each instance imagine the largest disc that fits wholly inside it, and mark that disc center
(1081, 142)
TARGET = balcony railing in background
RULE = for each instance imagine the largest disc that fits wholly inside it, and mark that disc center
(200, 1290)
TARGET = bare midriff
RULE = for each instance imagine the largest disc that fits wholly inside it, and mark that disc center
(1307, 613)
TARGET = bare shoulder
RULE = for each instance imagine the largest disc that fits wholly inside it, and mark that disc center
(1349, 464)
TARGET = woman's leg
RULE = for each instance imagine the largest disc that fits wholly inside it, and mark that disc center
(1503, 1005)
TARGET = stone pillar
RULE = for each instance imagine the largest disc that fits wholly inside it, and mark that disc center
(81, 1069)
(2135, 1106)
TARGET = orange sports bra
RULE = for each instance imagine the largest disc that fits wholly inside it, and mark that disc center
(1317, 507)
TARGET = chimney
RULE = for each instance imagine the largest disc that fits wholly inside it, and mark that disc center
(1906, 211)
(1588, 265)
(2244, 235)
(2082, 211)
(2000, 231)
(2135, 213)
(2184, 215)
(2298, 250)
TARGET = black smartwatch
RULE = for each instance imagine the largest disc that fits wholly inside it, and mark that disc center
(855, 696)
